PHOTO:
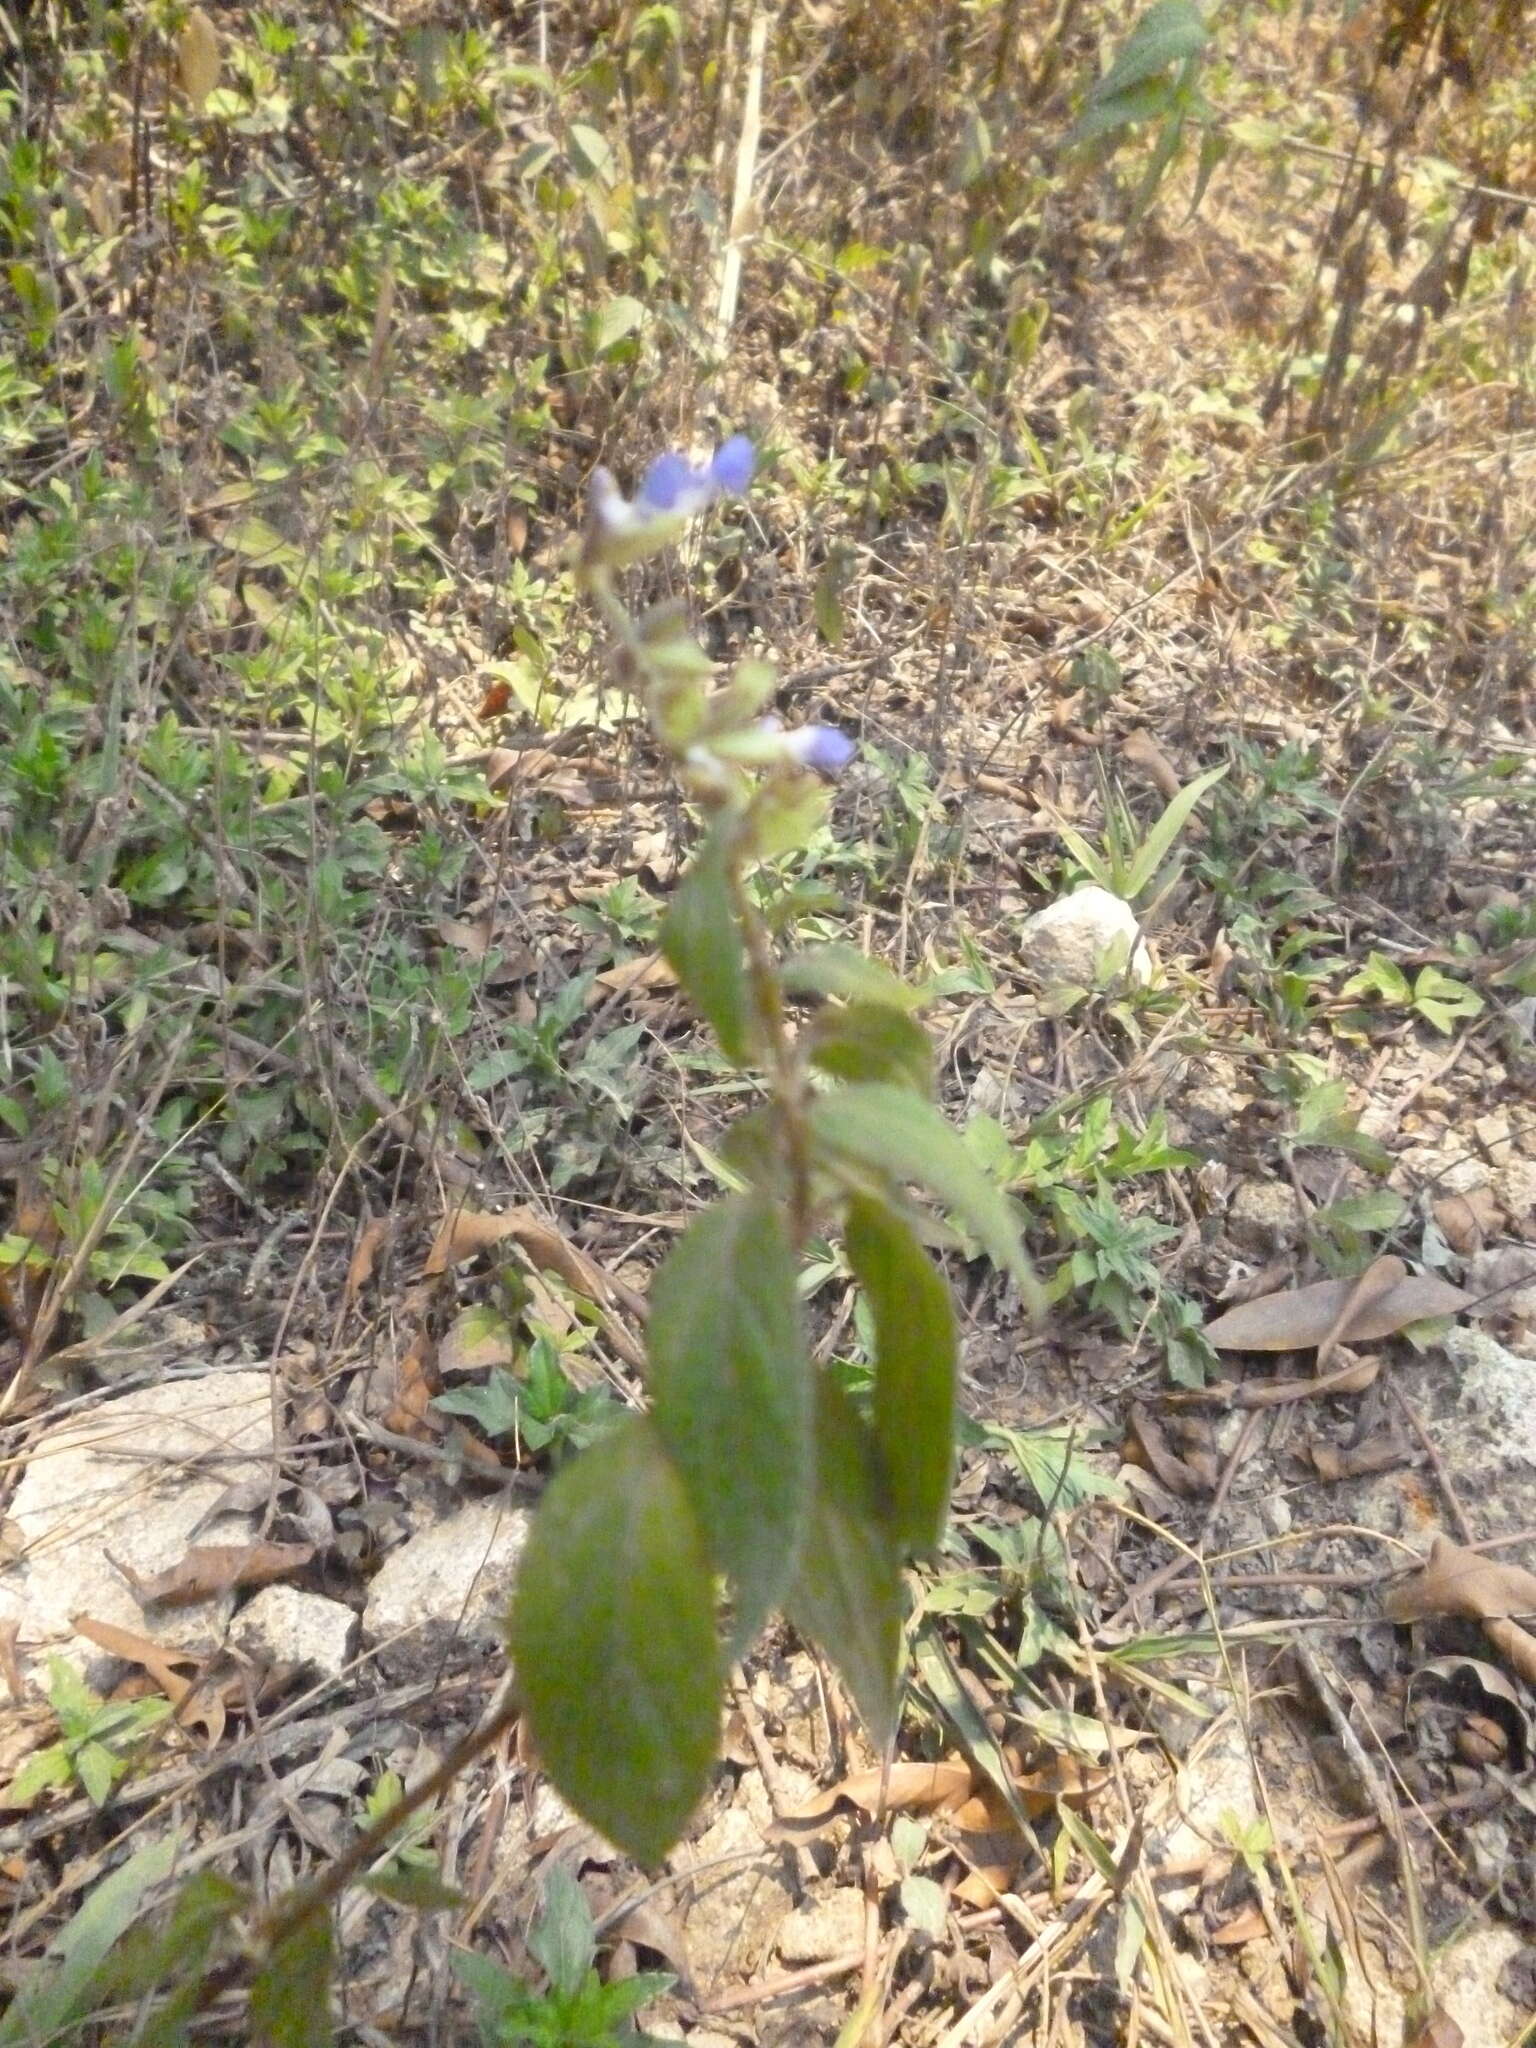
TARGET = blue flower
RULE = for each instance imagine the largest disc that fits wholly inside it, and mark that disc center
(822, 747)
(672, 491)
(732, 465)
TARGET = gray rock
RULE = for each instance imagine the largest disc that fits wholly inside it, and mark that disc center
(1262, 1215)
(450, 1583)
(1064, 943)
(131, 1483)
(284, 1625)
(1465, 1979)
(830, 1927)
(732, 1912)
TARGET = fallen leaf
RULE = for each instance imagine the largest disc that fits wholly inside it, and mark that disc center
(1378, 1279)
(1248, 1925)
(198, 59)
(1301, 1318)
(475, 1341)
(195, 1705)
(364, 1257)
(647, 970)
(1140, 748)
(209, 1569)
(406, 1389)
(904, 1787)
(1456, 1580)
(1194, 1473)
(468, 1232)
(1438, 2031)
(1333, 1462)
(1467, 1221)
(478, 937)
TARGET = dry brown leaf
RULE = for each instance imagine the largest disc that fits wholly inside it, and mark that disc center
(1150, 1447)
(464, 1234)
(1456, 1580)
(1140, 748)
(365, 1255)
(1468, 1221)
(477, 937)
(198, 58)
(913, 1787)
(1301, 1318)
(647, 970)
(209, 1569)
(1438, 2031)
(1378, 1280)
(195, 1706)
(476, 1341)
(984, 1886)
(408, 1388)
(1375, 1455)
(1248, 1925)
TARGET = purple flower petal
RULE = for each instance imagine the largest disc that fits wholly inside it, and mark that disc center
(821, 747)
(668, 477)
(731, 468)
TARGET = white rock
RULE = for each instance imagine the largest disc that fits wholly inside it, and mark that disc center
(129, 1484)
(285, 1625)
(830, 1927)
(449, 1583)
(1213, 1794)
(1465, 1979)
(1064, 943)
(1515, 1186)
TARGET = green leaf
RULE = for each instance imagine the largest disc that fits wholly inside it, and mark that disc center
(846, 1595)
(884, 1127)
(730, 1386)
(1148, 101)
(291, 1993)
(1382, 977)
(915, 1364)
(1440, 1001)
(1155, 848)
(616, 320)
(1378, 1209)
(44, 1770)
(594, 157)
(1170, 32)
(61, 1988)
(97, 1769)
(563, 1940)
(936, 1668)
(613, 1639)
(870, 1042)
(845, 971)
(416, 1885)
(701, 939)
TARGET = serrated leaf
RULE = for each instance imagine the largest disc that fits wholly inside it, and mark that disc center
(845, 971)
(916, 1354)
(1148, 101)
(884, 1127)
(846, 1596)
(872, 1042)
(291, 1993)
(1170, 32)
(612, 1635)
(730, 1386)
(701, 939)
